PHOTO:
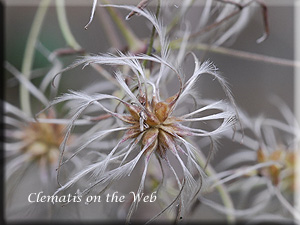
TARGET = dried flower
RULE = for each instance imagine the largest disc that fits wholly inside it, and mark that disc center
(152, 126)
(31, 149)
(265, 164)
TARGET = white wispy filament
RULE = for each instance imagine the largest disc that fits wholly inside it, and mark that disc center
(147, 123)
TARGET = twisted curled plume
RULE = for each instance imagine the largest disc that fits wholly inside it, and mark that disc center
(189, 187)
(265, 137)
(110, 59)
(141, 5)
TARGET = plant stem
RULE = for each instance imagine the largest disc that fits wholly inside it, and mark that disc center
(29, 54)
(227, 201)
(71, 41)
(149, 50)
(109, 29)
(220, 187)
(64, 25)
(250, 56)
(132, 40)
(239, 54)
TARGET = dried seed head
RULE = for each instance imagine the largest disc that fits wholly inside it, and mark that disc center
(43, 140)
(279, 174)
(154, 121)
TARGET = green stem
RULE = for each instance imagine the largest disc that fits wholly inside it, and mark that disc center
(109, 29)
(227, 201)
(221, 188)
(133, 42)
(71, 41)
(29, 53)
(149, 50)
(64, 25)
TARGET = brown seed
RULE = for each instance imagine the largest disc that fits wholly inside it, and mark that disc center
(149, 136)
(162, 111)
